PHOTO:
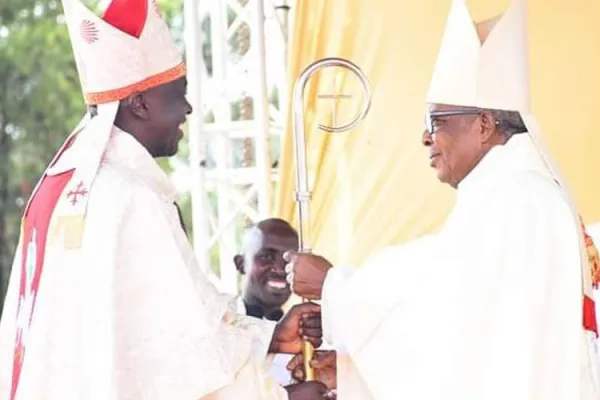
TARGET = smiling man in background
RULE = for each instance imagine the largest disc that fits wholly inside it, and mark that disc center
(266, 290)
(261, 263)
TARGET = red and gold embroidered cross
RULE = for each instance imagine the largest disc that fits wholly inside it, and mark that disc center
(589, 307)
(593, 257)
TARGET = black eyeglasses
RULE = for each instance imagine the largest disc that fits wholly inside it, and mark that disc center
(430, 116)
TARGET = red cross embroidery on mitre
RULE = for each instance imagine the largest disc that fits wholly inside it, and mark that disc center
(35, 229)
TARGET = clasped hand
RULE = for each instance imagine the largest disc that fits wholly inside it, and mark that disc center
(301, 322)
(306, 274)
(323, 363)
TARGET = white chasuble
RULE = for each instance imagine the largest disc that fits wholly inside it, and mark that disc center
(127, 315)
(490, 308)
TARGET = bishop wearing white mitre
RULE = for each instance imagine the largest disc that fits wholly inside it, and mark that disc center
(106, 300)
(498, 305)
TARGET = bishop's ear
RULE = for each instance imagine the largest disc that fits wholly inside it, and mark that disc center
(138, 105)
(488, 126)
(238, 260)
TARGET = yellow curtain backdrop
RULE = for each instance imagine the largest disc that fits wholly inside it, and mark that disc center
(373, 186)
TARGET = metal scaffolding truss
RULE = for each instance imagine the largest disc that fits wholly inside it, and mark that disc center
(236, 53)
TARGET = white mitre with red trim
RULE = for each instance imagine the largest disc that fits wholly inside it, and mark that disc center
(128, 50)
(486, 65)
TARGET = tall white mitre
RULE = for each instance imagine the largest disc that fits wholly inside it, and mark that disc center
(127, 50)
(483, 64)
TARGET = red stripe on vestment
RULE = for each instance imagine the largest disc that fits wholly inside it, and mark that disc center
(589, 315)
(37, 219)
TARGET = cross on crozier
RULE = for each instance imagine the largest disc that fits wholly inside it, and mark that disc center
(74, 194)
(334, 97)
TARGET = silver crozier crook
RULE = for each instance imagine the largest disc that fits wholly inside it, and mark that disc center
(303, 194)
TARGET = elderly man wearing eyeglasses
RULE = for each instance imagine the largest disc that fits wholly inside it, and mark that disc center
(498, 304)
(458, 137)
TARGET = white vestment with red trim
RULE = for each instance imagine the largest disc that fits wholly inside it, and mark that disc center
(489, 308)
(129, 314)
